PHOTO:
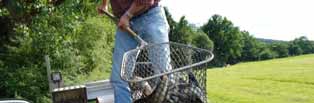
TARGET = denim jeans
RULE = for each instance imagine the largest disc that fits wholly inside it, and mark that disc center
(153, 28)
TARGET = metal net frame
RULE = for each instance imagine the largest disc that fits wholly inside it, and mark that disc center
(166, 73)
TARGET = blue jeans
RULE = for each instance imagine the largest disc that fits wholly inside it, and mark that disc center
(153, 28)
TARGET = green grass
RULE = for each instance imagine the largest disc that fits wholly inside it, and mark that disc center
(287, 80)
(94, 75)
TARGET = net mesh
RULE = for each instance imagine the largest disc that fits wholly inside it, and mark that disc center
(166, 73)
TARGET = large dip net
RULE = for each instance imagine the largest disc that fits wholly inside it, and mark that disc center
(166, 73)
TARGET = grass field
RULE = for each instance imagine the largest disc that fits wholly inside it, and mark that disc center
(287, 80)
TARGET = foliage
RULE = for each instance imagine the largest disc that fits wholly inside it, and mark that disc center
(302, 43)
(281, 49)
(201, 40)
(5, 32)
(78, 44)
(183, 32)
(251, 48)
(227, 40)
(267, 53)
(295, 49)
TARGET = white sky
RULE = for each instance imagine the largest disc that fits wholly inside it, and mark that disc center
(271, 19)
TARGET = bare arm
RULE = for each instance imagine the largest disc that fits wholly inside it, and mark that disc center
(102, 7)
(137, 7)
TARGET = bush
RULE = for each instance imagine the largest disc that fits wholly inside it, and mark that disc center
(76, 42)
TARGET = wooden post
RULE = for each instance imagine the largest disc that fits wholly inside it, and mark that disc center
(48, 72)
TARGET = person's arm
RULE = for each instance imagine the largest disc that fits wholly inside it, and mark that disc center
(103, 7)
(137, 7)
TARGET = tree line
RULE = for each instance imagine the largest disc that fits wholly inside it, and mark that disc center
(79, 42)
(232, 45)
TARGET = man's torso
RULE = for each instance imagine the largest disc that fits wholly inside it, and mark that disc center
(119, 7)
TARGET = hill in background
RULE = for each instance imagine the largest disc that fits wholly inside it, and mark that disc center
(269, 40)
(287, 80)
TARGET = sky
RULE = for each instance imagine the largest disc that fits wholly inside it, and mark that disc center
(270, 19)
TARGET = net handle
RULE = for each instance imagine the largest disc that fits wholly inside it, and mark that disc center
(128, 29)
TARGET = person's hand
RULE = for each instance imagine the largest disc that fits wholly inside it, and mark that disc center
(124, 22)
(101, 9)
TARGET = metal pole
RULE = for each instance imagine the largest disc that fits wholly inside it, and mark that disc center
(48, 72)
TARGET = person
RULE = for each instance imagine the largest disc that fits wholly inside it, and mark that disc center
(147, 18)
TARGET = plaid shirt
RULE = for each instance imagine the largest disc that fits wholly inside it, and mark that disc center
(119, 7)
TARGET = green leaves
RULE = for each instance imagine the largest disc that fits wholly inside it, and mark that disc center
(304, 44)
(201, 40)
(183, 32)
(227, 39)
(77, 42)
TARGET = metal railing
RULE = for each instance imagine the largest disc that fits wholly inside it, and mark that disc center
(90, 91)
(100, 88)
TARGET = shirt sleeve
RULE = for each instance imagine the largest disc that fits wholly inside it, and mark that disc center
(144, 2)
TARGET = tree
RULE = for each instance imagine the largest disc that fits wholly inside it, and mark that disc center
(183, 32)
(227, 39)
(76, 40)
(265, 52)
(251, 47)
(294, 49)
(312, 43)
(201, 40)
(301, 43)
(281, 48)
